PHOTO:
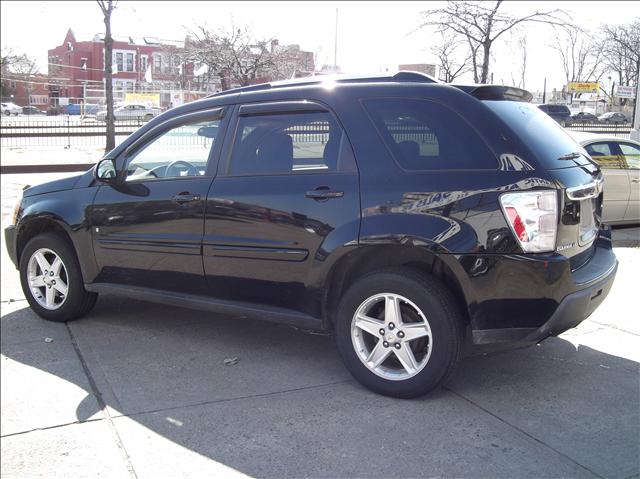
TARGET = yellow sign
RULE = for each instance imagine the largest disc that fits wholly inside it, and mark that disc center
(583, 87)
(150, 99)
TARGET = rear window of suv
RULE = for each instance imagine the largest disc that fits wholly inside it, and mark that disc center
(542, 134)
(424, 135)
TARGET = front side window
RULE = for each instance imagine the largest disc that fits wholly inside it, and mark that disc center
(604, 154)
(287, 144)
(631, 155)
(129, 62)
(423, 135)
(179, 152)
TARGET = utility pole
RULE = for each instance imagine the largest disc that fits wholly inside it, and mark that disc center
(335, 43)
(107, 7)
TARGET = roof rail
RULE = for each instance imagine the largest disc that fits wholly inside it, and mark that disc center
(401, 76)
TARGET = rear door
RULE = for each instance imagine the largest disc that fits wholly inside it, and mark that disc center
(284, 200)
(630, 154)
(616, 186)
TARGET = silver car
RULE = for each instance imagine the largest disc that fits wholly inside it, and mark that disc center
(132, 111)
(619, 159)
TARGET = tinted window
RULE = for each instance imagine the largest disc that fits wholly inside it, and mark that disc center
(631, 155)
(546, 138)
(287, 143)
(180, 151)
(604, 154)
(423, 135)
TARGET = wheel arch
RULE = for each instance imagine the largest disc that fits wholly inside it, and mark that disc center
(365, 260)
(33, 227)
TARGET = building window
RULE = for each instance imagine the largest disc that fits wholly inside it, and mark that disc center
(157, 64)
(83, 63)
(143, 63)
(129, 62)
(119, 62)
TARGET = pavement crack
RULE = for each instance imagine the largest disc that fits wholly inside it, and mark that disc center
(47, 428)
(522, 431)
(615, 327)
(217, 401)
(103, 407)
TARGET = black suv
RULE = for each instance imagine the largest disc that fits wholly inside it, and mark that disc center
(404, 215)
(559, 113)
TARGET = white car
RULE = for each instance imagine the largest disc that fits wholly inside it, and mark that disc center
(11, 109)
(619, 159)
(132, 111)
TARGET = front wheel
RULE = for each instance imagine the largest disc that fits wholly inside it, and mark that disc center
(399, 332)
(7, 113)
(52, 280)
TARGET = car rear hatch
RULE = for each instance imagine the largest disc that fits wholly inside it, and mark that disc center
(578, 178)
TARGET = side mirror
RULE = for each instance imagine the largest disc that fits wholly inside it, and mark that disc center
(106, 171)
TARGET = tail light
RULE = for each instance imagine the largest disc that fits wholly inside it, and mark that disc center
(533, 219)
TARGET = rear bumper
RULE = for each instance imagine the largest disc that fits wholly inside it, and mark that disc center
(585, 289)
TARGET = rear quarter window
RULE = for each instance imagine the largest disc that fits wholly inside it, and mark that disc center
(423, 135)
(548, 141)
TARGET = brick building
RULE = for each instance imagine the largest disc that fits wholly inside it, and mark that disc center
(76, 69)
(25, 90)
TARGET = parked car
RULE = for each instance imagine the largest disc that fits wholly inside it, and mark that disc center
(10, 108)
(619, 160)
(31, 110)
(559, 113)
(582, 117)
(403, 215)
(613, 117)
(131, 112)
(87, 109)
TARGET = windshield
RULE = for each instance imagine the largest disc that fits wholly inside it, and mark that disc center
(542, 134)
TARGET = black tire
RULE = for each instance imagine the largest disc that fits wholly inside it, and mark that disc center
(439, 308)
(7, 112)
(78, 301)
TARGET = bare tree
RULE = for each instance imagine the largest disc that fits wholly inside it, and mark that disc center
(107, 7)
(18, 64)
(450, 64)
(621, 51)
(232, 53)
(579, 52)
(480, 24)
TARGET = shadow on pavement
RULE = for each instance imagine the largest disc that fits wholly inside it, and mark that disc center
(288, 408)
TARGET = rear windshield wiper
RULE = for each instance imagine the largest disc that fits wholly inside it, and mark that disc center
(570, 156)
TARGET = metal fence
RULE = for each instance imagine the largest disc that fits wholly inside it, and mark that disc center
(620, 130)
(58, 131)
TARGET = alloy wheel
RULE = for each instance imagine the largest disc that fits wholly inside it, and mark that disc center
(48, 278)
(391, 336)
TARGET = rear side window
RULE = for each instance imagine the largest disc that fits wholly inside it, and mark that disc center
(631, 155)
(288, 143)
(424, 135)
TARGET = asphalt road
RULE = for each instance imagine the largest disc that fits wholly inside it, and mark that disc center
(142, 390)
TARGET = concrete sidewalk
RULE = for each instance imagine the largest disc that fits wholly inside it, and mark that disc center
(142, 390)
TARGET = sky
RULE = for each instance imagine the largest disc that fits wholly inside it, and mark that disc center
(372, 36)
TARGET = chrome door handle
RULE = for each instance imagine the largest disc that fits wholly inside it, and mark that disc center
(182, 198)
(635, 180)
(324, 194)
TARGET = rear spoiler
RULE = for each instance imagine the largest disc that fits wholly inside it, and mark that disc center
(496, 92)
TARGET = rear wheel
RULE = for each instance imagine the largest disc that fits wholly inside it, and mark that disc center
(52, 281)
(399, 333)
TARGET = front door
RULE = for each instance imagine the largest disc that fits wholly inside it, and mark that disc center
(284, 202)
(147, 228)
